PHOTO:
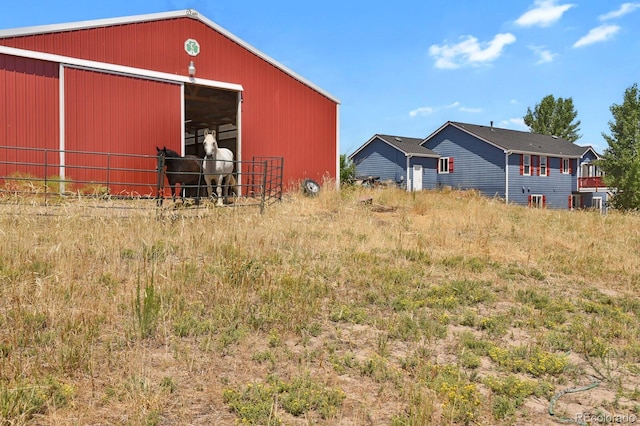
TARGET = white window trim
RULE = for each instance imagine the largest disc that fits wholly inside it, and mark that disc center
(525, 165)
(595, 201)
(445, 161)
(538, 205)
(546, 166)
(566, 170)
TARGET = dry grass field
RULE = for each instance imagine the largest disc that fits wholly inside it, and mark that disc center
(440, 308)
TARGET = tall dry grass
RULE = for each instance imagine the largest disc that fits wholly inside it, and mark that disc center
(406, 306)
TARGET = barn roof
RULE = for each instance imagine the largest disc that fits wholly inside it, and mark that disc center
(190, 13)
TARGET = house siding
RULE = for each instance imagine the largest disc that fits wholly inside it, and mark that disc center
(477, 165)
(379, 158)
(556, 187)
(587, 199)
(429, 175)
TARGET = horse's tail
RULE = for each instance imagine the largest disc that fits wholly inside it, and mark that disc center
(233, 184)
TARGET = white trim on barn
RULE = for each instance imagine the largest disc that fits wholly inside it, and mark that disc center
(183, 117)
(61, 103)
(118, 69)
(239, 136)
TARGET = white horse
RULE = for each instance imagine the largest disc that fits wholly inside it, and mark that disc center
(217, 164)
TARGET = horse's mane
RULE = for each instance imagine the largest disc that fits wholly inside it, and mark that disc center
(168, 152)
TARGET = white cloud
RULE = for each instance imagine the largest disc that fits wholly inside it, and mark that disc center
(544, 54)
(421, 111)
(598, 34)
(514, 123)
(472, 110)
(544, 14)
(623, 10)
(469, 51)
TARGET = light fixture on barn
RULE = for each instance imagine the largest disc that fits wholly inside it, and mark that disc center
(192, 69)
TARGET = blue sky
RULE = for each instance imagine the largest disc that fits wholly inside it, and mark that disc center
(406, 67)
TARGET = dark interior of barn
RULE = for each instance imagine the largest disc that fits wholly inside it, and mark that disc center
(213, 109)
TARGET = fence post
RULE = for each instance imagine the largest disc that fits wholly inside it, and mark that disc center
(264, 183)
(46, 195)
(160, 187)
(108, 172)
(280, 178)
(252, 184)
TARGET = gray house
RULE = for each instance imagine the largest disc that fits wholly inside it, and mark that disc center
(520, 167)
(399, 159)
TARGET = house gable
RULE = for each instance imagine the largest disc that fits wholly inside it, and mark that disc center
(589, 156)
(378, 158)
(477, 164)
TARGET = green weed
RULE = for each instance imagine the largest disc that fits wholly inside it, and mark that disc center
(146, 308)
(257, 403)
(529, 359)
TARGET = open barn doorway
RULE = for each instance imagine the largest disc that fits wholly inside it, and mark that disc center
(210, 108)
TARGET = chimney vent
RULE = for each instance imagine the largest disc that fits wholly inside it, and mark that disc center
(492, 125)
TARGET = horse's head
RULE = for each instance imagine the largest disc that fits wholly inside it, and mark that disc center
(168, 153)
(210, 144)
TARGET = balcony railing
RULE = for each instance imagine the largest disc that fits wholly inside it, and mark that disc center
(591, 182)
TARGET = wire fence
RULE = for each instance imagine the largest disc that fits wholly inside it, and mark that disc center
(48, 177)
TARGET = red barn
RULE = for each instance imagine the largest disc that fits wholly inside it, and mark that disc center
(127, 85)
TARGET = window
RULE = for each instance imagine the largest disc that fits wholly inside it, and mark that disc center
(575, 201)
(526, 165)
(596, 203)
(445, 165)
(537, 201)
(565, 167)
(543, 166)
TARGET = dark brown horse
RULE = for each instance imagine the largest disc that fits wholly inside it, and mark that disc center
(187, 171)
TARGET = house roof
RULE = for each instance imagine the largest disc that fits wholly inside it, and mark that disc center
(190, 13)
(408, 146)
(521, 142)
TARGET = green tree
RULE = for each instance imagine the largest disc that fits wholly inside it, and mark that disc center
(554, 117)
(621, 161)
(347, 170)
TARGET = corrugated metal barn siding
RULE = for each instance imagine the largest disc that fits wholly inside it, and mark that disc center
(281, 116)
(117, 114)
(29, 113)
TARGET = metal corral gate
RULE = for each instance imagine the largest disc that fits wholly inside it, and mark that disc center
(257, 182)
(49, 173)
